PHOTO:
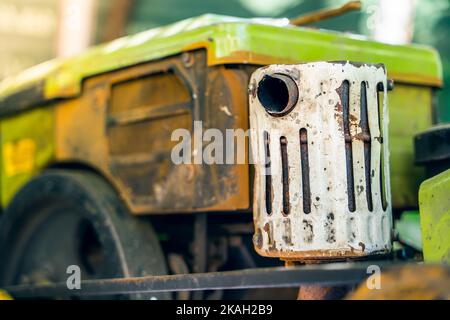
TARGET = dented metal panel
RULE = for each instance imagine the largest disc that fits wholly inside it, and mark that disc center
(322, 173)
(123, 127)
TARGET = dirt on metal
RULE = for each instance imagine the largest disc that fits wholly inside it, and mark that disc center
(319, 167)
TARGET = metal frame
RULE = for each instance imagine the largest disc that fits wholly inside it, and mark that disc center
(277, 277)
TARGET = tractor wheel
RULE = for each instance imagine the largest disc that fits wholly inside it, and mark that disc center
(69, 217)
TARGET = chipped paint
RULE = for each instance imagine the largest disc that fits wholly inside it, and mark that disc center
(311, 216)
(226, 111)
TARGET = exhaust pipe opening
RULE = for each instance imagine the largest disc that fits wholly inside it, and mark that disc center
(278, 94)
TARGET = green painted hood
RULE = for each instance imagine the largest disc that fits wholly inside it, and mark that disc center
(228, 40)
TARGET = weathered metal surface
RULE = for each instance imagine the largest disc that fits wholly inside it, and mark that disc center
(279, 277)
(434, 200)
(227, 40)
(410, 112)
(26, 146)
(124, 125)
(321, 180)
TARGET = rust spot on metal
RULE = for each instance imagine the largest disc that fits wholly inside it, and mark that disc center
(353, 120)
(344, 94)
(258, 239)
(269, 230)
(321, 255)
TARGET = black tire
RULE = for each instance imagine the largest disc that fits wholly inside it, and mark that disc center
(66, 217)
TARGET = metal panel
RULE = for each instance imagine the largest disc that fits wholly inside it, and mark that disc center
(275, 277)
(123, 130)
(434, 196)
(330, 144)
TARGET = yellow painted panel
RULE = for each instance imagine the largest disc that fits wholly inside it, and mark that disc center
(27, 146)
(409, 113)
(18, 156)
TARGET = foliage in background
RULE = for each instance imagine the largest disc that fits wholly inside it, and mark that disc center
(432, 22)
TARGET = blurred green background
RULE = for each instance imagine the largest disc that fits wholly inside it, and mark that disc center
(30, 30)
(431, 22)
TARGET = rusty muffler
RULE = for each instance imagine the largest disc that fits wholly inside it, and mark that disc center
(320, 146)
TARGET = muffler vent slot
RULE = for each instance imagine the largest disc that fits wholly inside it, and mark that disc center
(367, 139)
(285, 174)
(267, 174)
(305, 170)
(344, 92)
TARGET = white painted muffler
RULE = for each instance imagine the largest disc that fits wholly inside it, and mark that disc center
(320, 146)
